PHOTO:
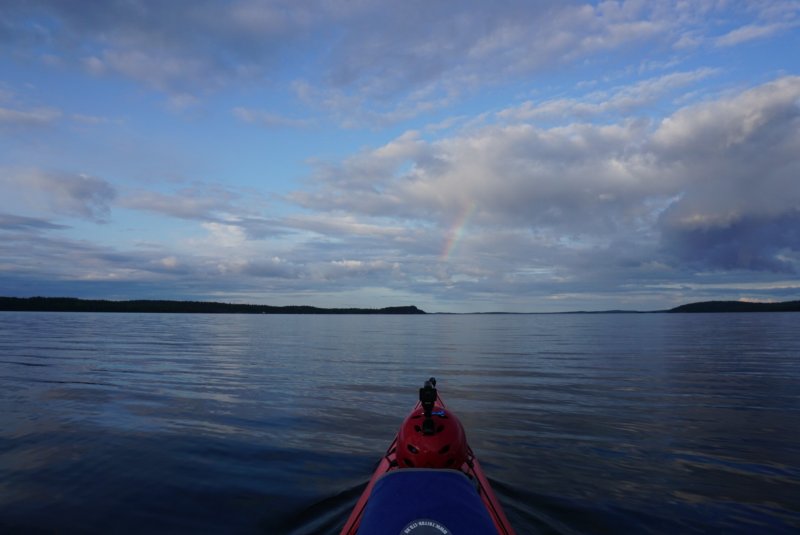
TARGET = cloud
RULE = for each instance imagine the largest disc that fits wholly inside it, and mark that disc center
(512, 209)
(274, 267)
(221, 235)
(602, 199)
(348, 268)
(33, 117)
(76, 195)
(513, 175)
(738, 162)
(411, 44)
(198, 202)
(269, 120)
(746, 242)
(377, 62)
(623, 99)
(34, 262)
(576, 212)
(750, 32)
(32, 254)
(10, 222)
(89, 120)
(230, 216)
(23, 114)
(163, 71)
(402, 64)
(347, 226)
(353, 109)
(170, 50)
(739, 122)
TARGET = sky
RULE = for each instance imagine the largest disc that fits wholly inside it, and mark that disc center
(513, 155)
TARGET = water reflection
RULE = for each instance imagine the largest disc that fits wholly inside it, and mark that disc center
(585, 424)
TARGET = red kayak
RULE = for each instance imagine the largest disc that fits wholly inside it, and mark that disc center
(429, 481)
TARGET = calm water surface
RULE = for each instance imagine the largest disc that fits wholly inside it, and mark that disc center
(164, 423)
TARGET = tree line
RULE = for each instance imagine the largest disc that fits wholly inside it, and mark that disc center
(72, 304)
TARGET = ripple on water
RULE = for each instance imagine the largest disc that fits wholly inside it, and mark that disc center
(228, 423)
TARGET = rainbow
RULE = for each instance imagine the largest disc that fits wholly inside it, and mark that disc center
(456, 232)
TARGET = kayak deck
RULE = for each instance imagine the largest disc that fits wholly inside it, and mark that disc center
(403, 501)
(471, 469)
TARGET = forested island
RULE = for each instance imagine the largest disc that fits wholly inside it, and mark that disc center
(71, 304)
(738, 306)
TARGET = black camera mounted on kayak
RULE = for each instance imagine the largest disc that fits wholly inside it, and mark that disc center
(427, 397)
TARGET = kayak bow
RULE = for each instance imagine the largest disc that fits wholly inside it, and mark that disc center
(429, 481)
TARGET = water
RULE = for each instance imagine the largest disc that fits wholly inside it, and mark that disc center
(272, 424)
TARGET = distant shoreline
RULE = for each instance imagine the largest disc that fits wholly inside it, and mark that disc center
(692, 308)
(738, 306)
(72, 304)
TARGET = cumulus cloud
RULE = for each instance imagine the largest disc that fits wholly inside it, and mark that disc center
(639, 192)
(738, 162)
(511, 174)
